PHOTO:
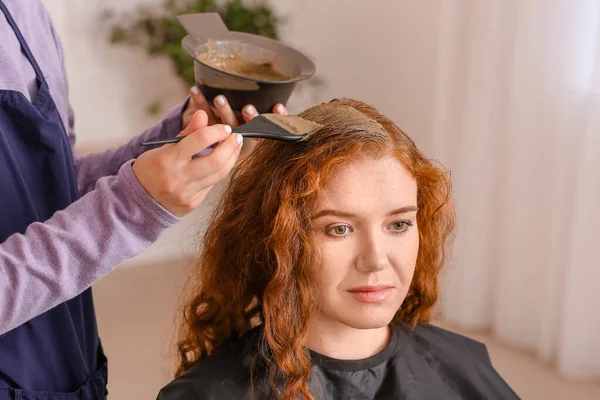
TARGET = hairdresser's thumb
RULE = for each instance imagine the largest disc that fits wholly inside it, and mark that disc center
(199, 120)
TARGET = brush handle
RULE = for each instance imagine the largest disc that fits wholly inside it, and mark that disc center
(290, 137)
(163, 141)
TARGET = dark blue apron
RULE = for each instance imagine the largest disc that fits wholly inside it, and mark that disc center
(57, 355)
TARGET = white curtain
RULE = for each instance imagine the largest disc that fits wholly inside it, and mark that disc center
(517, 120)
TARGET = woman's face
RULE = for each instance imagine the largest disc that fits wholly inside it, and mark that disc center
(366, 229)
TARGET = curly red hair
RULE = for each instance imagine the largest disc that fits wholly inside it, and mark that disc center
(257, 262)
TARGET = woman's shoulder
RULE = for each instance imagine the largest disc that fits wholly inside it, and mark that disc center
(224, 374)
(449, 361)
(436, 338)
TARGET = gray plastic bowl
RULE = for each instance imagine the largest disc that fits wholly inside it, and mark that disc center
(239, 90)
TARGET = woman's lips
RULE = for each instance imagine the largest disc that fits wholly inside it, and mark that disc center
(371, 294)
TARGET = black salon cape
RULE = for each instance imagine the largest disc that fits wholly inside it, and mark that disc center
(426, 363)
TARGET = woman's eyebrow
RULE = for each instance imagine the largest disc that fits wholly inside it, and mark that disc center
(343, 214)
(403, 210)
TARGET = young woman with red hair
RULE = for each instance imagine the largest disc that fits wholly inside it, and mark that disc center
(319, 272)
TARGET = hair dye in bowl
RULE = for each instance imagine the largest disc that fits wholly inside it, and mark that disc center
(234, 63)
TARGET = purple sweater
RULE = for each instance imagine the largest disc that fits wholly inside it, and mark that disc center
(115, 219)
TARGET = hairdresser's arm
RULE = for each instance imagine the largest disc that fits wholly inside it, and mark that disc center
(55, 261)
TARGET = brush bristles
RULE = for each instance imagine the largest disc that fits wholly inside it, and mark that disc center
(293, 124)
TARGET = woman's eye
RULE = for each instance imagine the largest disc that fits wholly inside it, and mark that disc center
(401, 226)
(339, 230)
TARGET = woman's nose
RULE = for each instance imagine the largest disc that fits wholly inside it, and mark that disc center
(372, 255)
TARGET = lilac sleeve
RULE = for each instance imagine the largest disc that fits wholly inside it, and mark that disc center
(56, 260)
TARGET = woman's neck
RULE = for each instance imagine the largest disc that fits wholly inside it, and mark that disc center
(342, 342)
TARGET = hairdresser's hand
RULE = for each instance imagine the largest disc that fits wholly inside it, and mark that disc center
(221, 112)
(180, 183)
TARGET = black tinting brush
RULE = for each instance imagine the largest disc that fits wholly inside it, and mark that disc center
(288, 128)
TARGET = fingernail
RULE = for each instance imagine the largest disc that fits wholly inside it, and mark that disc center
(227, 128)
(279, 109)
(220, 99)
(250, 111)
(240, 140)
(195, 91)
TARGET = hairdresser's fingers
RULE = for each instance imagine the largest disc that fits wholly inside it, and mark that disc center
(198, 120)
(201, 181)
(169, 152)
(228, 165)
(202, 188)
(250, 112)
(219, 162)
(198, 102)
(224, 111)
(199, 140)
(280, 109)
(225, 169)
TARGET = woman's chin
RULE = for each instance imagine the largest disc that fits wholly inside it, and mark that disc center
(372, 320)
